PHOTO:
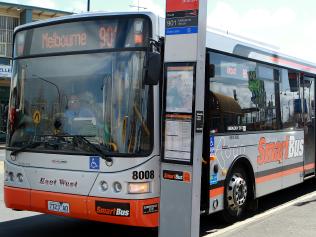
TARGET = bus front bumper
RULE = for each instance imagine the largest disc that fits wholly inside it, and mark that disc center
(142, 213)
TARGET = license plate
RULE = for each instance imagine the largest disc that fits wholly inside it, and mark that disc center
(62, 207)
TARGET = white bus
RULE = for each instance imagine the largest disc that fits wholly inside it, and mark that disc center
(85, 115)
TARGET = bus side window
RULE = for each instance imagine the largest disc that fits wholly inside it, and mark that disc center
(289, 99)
(307, 87)
(243, 95)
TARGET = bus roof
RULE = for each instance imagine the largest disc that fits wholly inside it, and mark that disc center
(84, 15)
(215, 40)
(255, 50)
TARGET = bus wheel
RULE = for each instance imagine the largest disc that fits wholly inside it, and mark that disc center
(236, 195)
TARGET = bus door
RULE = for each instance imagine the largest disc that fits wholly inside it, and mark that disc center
(205, 180)
(308, 121)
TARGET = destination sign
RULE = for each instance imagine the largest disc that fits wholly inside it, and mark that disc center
(182, 17)
(82, 36)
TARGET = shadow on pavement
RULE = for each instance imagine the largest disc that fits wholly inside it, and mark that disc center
(213, 223)
(286, 195)
(54, 226)
(305, 203)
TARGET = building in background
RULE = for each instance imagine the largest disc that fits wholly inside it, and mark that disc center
(11, 16)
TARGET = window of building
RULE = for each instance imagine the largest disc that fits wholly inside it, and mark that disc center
(7, 25)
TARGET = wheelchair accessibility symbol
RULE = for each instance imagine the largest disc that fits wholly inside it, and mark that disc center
(94, 163)
(212, 145)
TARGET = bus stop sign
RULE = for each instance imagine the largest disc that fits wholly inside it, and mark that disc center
(184, 76)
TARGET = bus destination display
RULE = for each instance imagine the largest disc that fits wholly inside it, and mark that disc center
(81, 36)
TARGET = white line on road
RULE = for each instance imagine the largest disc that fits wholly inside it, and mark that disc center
(238, 225)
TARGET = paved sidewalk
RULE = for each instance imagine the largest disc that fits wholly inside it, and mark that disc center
(296, 220)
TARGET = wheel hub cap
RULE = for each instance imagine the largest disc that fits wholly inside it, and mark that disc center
(237, 192)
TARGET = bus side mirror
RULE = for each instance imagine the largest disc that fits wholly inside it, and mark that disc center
(153, 73)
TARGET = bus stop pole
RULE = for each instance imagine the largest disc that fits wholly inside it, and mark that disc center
(199, 98)
(183, 115)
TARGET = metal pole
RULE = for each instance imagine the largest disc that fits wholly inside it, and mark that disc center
(88, 5)
(181, 174)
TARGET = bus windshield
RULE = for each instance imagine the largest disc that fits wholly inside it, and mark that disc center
(99, 95)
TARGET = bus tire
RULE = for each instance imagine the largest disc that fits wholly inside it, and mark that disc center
(236, 195)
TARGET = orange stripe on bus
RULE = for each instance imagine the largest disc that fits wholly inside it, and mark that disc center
(137, 218)
(179, 116)
(17, 198)
(279, 174)
(292, 64)
(83, 207)
(309, 166)
(78, 204)
(216, 192)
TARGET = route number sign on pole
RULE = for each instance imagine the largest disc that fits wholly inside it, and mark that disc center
(184, 79)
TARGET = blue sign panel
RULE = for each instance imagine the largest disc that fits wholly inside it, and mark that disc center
(214, 179)
(94, 163)
(212, 145)
(182, 30)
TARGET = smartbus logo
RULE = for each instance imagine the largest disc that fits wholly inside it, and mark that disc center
(112, 208)
(177, 175)
(280, 150)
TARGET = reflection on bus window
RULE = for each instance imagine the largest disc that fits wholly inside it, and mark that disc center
(105, 100)
(243, 95)
(289, 98)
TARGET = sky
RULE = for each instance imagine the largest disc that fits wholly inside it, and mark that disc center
(287, 25)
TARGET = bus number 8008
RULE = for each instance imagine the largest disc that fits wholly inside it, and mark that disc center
(148, 174)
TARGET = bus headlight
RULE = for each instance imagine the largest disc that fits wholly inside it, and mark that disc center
(20, 177)
(138, 188)
(104, 186)
(6, 176)
(11, 176)
(117, 187)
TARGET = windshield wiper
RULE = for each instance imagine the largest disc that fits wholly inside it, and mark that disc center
(94, 147)
(28, 146)
(35, 144)
(81, 138)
